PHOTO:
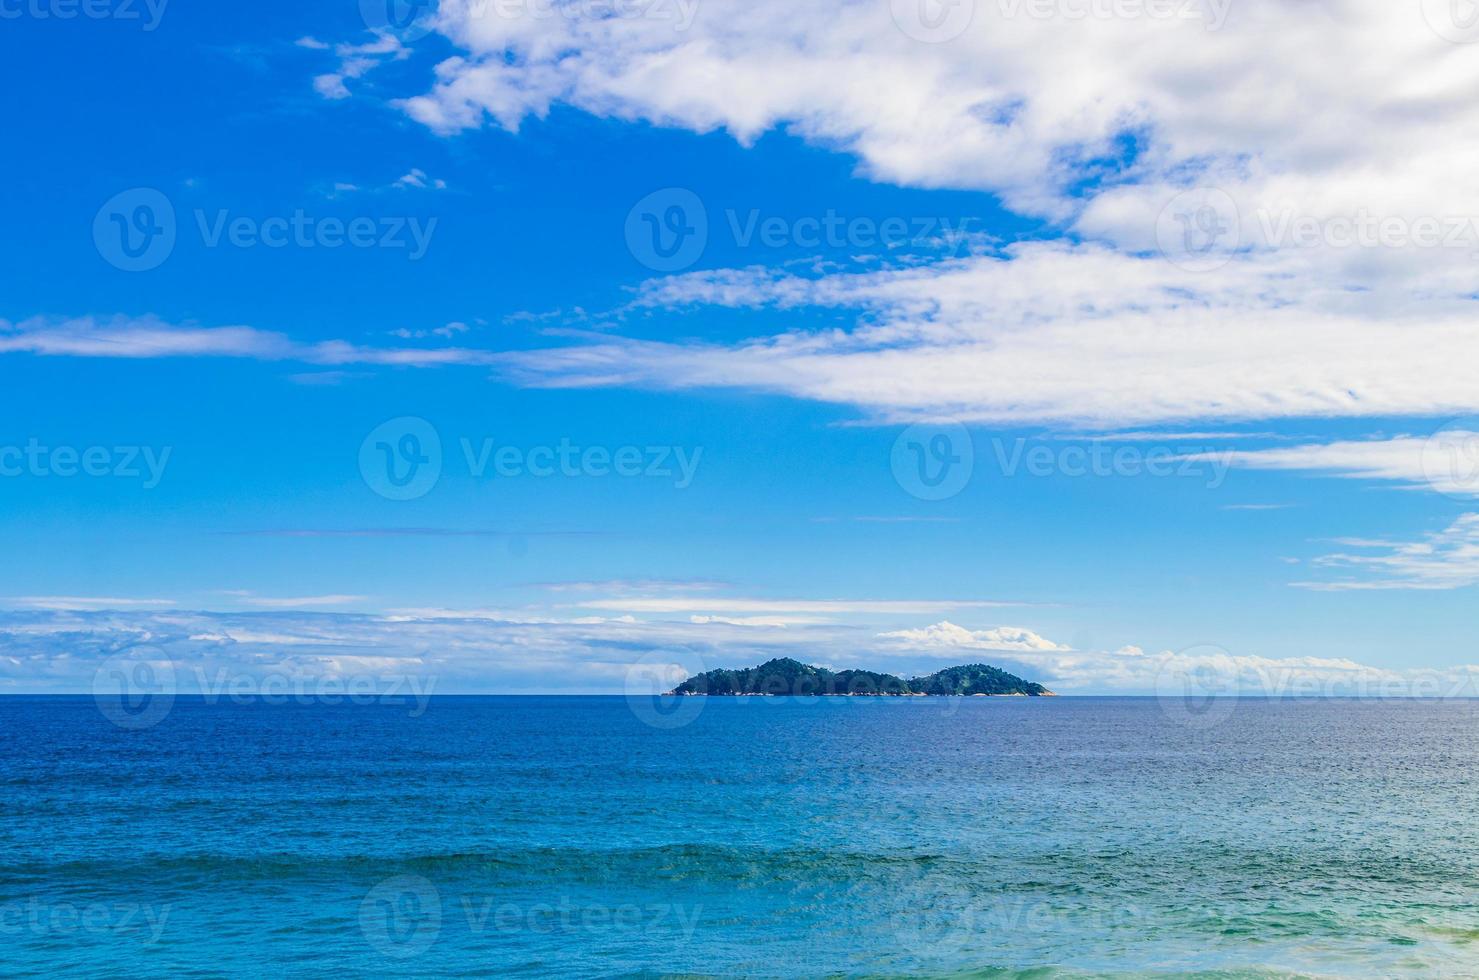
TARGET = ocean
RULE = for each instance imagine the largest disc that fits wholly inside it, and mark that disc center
(589, 836)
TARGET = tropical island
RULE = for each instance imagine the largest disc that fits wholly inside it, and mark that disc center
(785, 677)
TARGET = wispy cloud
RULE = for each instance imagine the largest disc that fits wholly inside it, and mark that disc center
(946, 636)
(78, 603)
(248, 598)
(355, 61)
(1447, 460)
(723, 605)
(888, 519)
(1149, 436)
(636, 586)
(408, 532)
(1026, 337)
(148, 337)
(1446, 559)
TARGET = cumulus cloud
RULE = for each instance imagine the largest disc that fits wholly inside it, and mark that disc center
(1328, 143)
(1199, 671)
(1024, 102)
(1293, 110)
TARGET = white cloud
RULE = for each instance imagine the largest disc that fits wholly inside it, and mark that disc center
(1446, 559)
(294, 602)
(148, 337)
(1211, 671)
(1198, 671)
(417, 178)
(80, 603)
(1446, 460)
(722, 605)
(465, 651)
(355, 61)
(946, 636)
(1311, 120)
(768, 622)
(638, 585)
(1057, 333)
(331, 86)
(448, 331)
(1328, 103)
(1201, 670)
(1182, 437)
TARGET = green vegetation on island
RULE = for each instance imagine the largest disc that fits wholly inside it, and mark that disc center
(785, 677)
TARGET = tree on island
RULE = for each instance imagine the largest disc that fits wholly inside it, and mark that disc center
(785, 677)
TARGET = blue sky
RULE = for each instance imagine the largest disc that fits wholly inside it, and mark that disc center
(893, 237)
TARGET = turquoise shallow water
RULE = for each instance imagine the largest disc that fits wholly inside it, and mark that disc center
(991, 837)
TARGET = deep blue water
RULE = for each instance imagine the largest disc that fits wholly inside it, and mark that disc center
(566, 836)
